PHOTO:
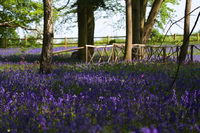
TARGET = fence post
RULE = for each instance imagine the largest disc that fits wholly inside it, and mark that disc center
(86, 54)
(25, 41)
(108, 39)
(6, 41)
(192, 47)
(113, 52)
(164, 54)
(139, 52)
(174, 37)
(65, 42)
(151, 52)
(198, 37)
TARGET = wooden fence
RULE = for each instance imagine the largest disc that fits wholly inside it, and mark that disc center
(115, 52)
(74, 40)
(159, 52)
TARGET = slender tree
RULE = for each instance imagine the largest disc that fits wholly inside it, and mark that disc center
(128, 46)
(184, 47)
(136, 21)
(136, 25)
(90, 27)
(92, 6)
(82, 28)
(143, 6)
(47, 48)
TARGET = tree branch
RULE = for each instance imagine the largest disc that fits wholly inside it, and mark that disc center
(61, 8)
(151, 20)
(7, 24)
(179, 62)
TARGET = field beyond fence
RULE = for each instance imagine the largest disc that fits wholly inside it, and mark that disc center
(73, 41)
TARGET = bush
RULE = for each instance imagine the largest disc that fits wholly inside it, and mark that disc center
(156, 36)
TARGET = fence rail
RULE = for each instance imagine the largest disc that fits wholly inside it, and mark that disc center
(74, 40)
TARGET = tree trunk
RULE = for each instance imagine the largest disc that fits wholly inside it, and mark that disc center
(184, 47)
(136, 21)
(151, 20)
(143, 5)
(82, 30)
(128, 46)
(136, 27)
(47, 48)
(90, 28)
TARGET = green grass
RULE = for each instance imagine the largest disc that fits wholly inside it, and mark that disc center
(169, 40)
(154, 40)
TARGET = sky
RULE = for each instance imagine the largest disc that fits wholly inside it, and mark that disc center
(180, 12)
(103, 26)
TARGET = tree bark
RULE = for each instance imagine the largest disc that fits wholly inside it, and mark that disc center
(143, 5)
(151, 20)
(90, 28)
(82, 30)
(136, 21)
(128, 46)
(136, 25)
(47, 48)
(184, 47)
